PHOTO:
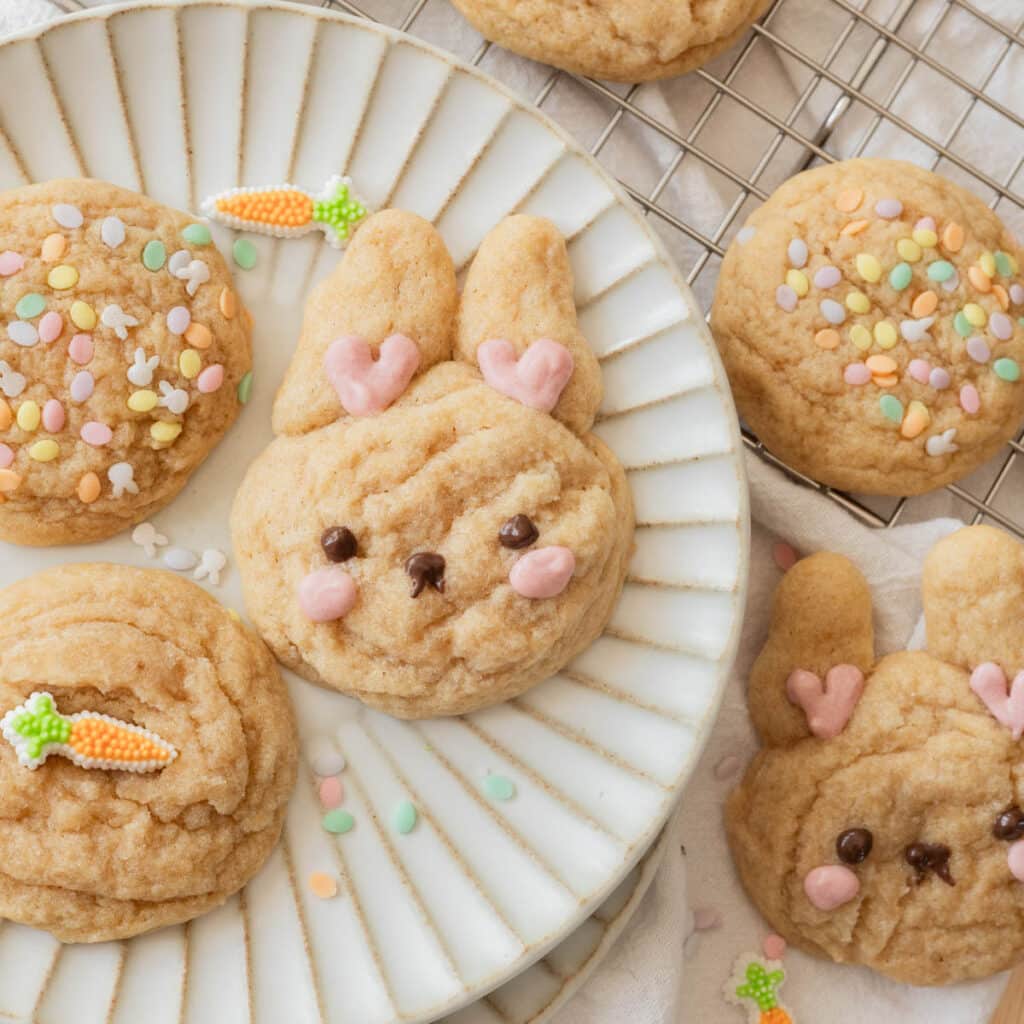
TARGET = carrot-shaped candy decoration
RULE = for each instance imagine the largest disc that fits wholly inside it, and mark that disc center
(286, 211)
(91, 740)
(755, 984)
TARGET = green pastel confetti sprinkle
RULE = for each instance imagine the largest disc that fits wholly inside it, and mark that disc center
(197, 234)
(245, 388)
(405, 818)
(900, 276)
(1003, 265)
(154, 255)
(941, 270)
(244, 253)
(1007, 369)
(892, 408)
(338, 822)
(962, 325)
(30, 306)
(497, 787)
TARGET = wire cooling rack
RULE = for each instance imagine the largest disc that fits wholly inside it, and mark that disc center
(813, 81)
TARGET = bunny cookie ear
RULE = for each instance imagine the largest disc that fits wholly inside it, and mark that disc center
(385, 313)
(809, 674)
(517, 323)
(973, 590)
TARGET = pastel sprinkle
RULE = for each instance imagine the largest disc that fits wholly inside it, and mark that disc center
(30, 305)
(970, 400)
(987, 262)
(62, 278)
(1002, 297)
(855, 227)
(827, 277)
(154, 254)
(979, 279)
(82, 386)
(228, 303)
(941, 270)
(199, 335)
(1017, 293)
(939, 379)
(324, 757)
(953, 237)
(857, 302)
(848, 200)
(80, 349)
(67, 215)
(856, 374)
(827, 338)
(178, 319)
(785, 557)
(952, 283)
(892, 408)
(916, 420)
(999, 324)
(44, 451)
(497, 787)
(338, 822)
(832, 311)
(245, 388)
(29, 416)
(1006, 369)
(978, 350)
(83, 316)
(96, 434)
(331, 793)
(211, 379)
(53, 416)
(976, 316)
(190, 363)
(909, 250)
(743, 236)
(21, 332)
(926, 238)
(180, 559)
(920, 370)
(165, 432)
(6, 456)
(54, 246)
(797, 253)
(797, 280)
(50, 326)
(900, 276)
(142, 401)
(861, 337)
(888, 209)
(786, 298)
(89, 488)
(962, 325)
(925, 304)
(10, 262)
(706, 919)
(925, 224)
(404, 818)
(6, 417)
(9, 481)
(868, 267)
(112, 231)
(322, 885)
(885, 334)
(196, 234)
(244, 253)
(774, 947)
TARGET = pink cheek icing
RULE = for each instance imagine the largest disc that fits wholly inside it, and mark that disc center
(536, 379)
(366, 386)
(543, 573)
(327, 594)
(1015, 859)
(829, 887)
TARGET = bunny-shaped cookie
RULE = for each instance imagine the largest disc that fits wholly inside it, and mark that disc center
(882, 822)
(434, 530)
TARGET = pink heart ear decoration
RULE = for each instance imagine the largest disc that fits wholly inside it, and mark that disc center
(828, 707)
(536, 379)
(988, 681)
(364, 385)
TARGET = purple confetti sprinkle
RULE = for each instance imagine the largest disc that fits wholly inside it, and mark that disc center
(857, 374)
(829, 277)
(919, 370)
(978, 350)
(1017, 293)
(82, 386)
(939, 379)
(797, 253)
(1001, 326)
(178, 320)
(833, 311)
(786, 298)
(889, 209)
(925, 224)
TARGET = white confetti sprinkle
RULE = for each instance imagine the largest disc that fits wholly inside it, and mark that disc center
(797, 253)
(112, 231)
(22, 333)
(195, 274)
(178, 261)
(745, 235)
(118, 320)
(324, 758)
(914, 331)
(67, 215)
(180, 559)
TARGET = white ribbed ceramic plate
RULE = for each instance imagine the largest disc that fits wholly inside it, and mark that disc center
(183, 101)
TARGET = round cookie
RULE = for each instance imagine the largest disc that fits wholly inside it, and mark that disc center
(881, 823)
(457, 545)
(870, 319)
(122, 347)
(619, 40)
(92, 855)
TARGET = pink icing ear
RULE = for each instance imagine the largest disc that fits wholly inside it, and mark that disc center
(988, 681)
(366, 386)
(828, 708)
(536, 379)
(1015, 859)
(829, 887)
(543, 573)
(327, 594)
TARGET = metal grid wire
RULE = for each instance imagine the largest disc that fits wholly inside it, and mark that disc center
(848, 98)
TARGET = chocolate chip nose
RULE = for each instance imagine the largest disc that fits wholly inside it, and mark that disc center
(925, 857)
(426, 569)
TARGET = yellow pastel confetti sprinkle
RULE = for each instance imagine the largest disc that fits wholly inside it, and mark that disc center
(976, 316)
(83, 316)
(868, 267)
(29, 416)
(44, 451)
(885, 334)
(142, 401)
(926, 238)
(857, 302)
(861, 337)
(189, 363)
(909, 250)
(796, 279)
(988, 263)
(165, 432)
(62, 278)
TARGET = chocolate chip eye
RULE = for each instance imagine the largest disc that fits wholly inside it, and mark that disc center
(339, 543)
(854, 845)
(426, 569)
(1009, 825)
(517, 532)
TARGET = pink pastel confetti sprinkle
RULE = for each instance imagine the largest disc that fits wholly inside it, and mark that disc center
(6, 456)
(53, 416)
(82, 386)
(80, 349)
(706, 918)
(211, 379)
(888, 209)
(774, 947)
(978, 350)
(857, 374)
(786, 298)
(785, 555)
(952, 282)
(332, 793)
(727, 767)
(919, 369)
(925, 224)
(939, 379)
(10, 262)
(999, 324)
(970, 400)
(50, 326)
(96, 434)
